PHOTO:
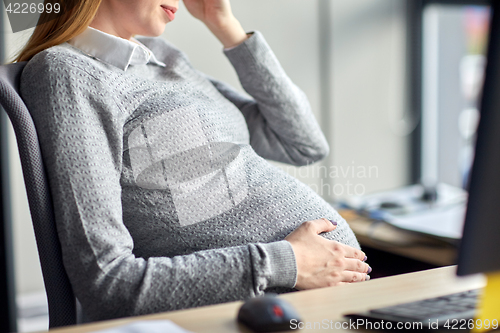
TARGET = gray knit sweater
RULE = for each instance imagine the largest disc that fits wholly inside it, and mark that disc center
(163, 197)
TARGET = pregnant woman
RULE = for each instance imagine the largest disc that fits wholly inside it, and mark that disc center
(163, 196)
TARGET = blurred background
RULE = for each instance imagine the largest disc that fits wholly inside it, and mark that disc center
(393, 83)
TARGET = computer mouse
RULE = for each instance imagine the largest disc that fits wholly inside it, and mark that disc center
(268, 314)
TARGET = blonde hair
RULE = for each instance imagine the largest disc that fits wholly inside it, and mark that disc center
(61, 29)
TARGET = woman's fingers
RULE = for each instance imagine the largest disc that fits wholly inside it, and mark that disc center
(320, 225)
(351, 252)
(356, 265)
(322, 262)
(350, 277)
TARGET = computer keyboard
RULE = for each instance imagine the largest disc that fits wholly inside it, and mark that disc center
(459, 305)
(439, 310)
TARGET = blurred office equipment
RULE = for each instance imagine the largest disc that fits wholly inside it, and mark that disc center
(453, 46)
(447, 44)
(409, 208)
(480, 248)
(446, 60)
(448, 51)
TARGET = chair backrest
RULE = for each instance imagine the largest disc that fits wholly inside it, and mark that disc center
(61, 300)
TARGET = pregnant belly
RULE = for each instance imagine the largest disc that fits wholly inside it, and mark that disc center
(275, 205)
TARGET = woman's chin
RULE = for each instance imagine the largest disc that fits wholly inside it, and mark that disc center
(154, 31)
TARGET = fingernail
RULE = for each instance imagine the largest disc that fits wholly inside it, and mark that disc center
(365, 258)
(333, 222)
(367, 278)
(369, 270)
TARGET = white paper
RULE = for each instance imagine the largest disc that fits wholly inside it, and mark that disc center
(443, 222)
(444, 217)
(147, 326)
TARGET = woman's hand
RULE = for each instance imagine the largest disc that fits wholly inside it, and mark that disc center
(322, 262)
(218, 17)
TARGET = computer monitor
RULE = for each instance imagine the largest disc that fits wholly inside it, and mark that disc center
(480, 246)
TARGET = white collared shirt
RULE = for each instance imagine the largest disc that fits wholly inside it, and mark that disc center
(113, 50)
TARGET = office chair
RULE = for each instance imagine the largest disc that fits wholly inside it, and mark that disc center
(61, 300)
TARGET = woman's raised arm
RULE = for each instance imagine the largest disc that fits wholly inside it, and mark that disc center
(218, 17)
(281, 124)
(279, 118)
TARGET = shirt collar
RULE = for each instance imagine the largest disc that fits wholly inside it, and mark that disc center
(114, 50)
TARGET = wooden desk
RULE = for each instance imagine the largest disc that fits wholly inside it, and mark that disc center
(319, 304)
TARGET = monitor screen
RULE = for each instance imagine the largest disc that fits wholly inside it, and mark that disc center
(480, 246)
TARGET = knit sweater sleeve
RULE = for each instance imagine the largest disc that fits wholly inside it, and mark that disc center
(80, 128)
(279, 118)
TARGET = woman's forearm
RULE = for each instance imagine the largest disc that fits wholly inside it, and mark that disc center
(218, 17)
(230, 33)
